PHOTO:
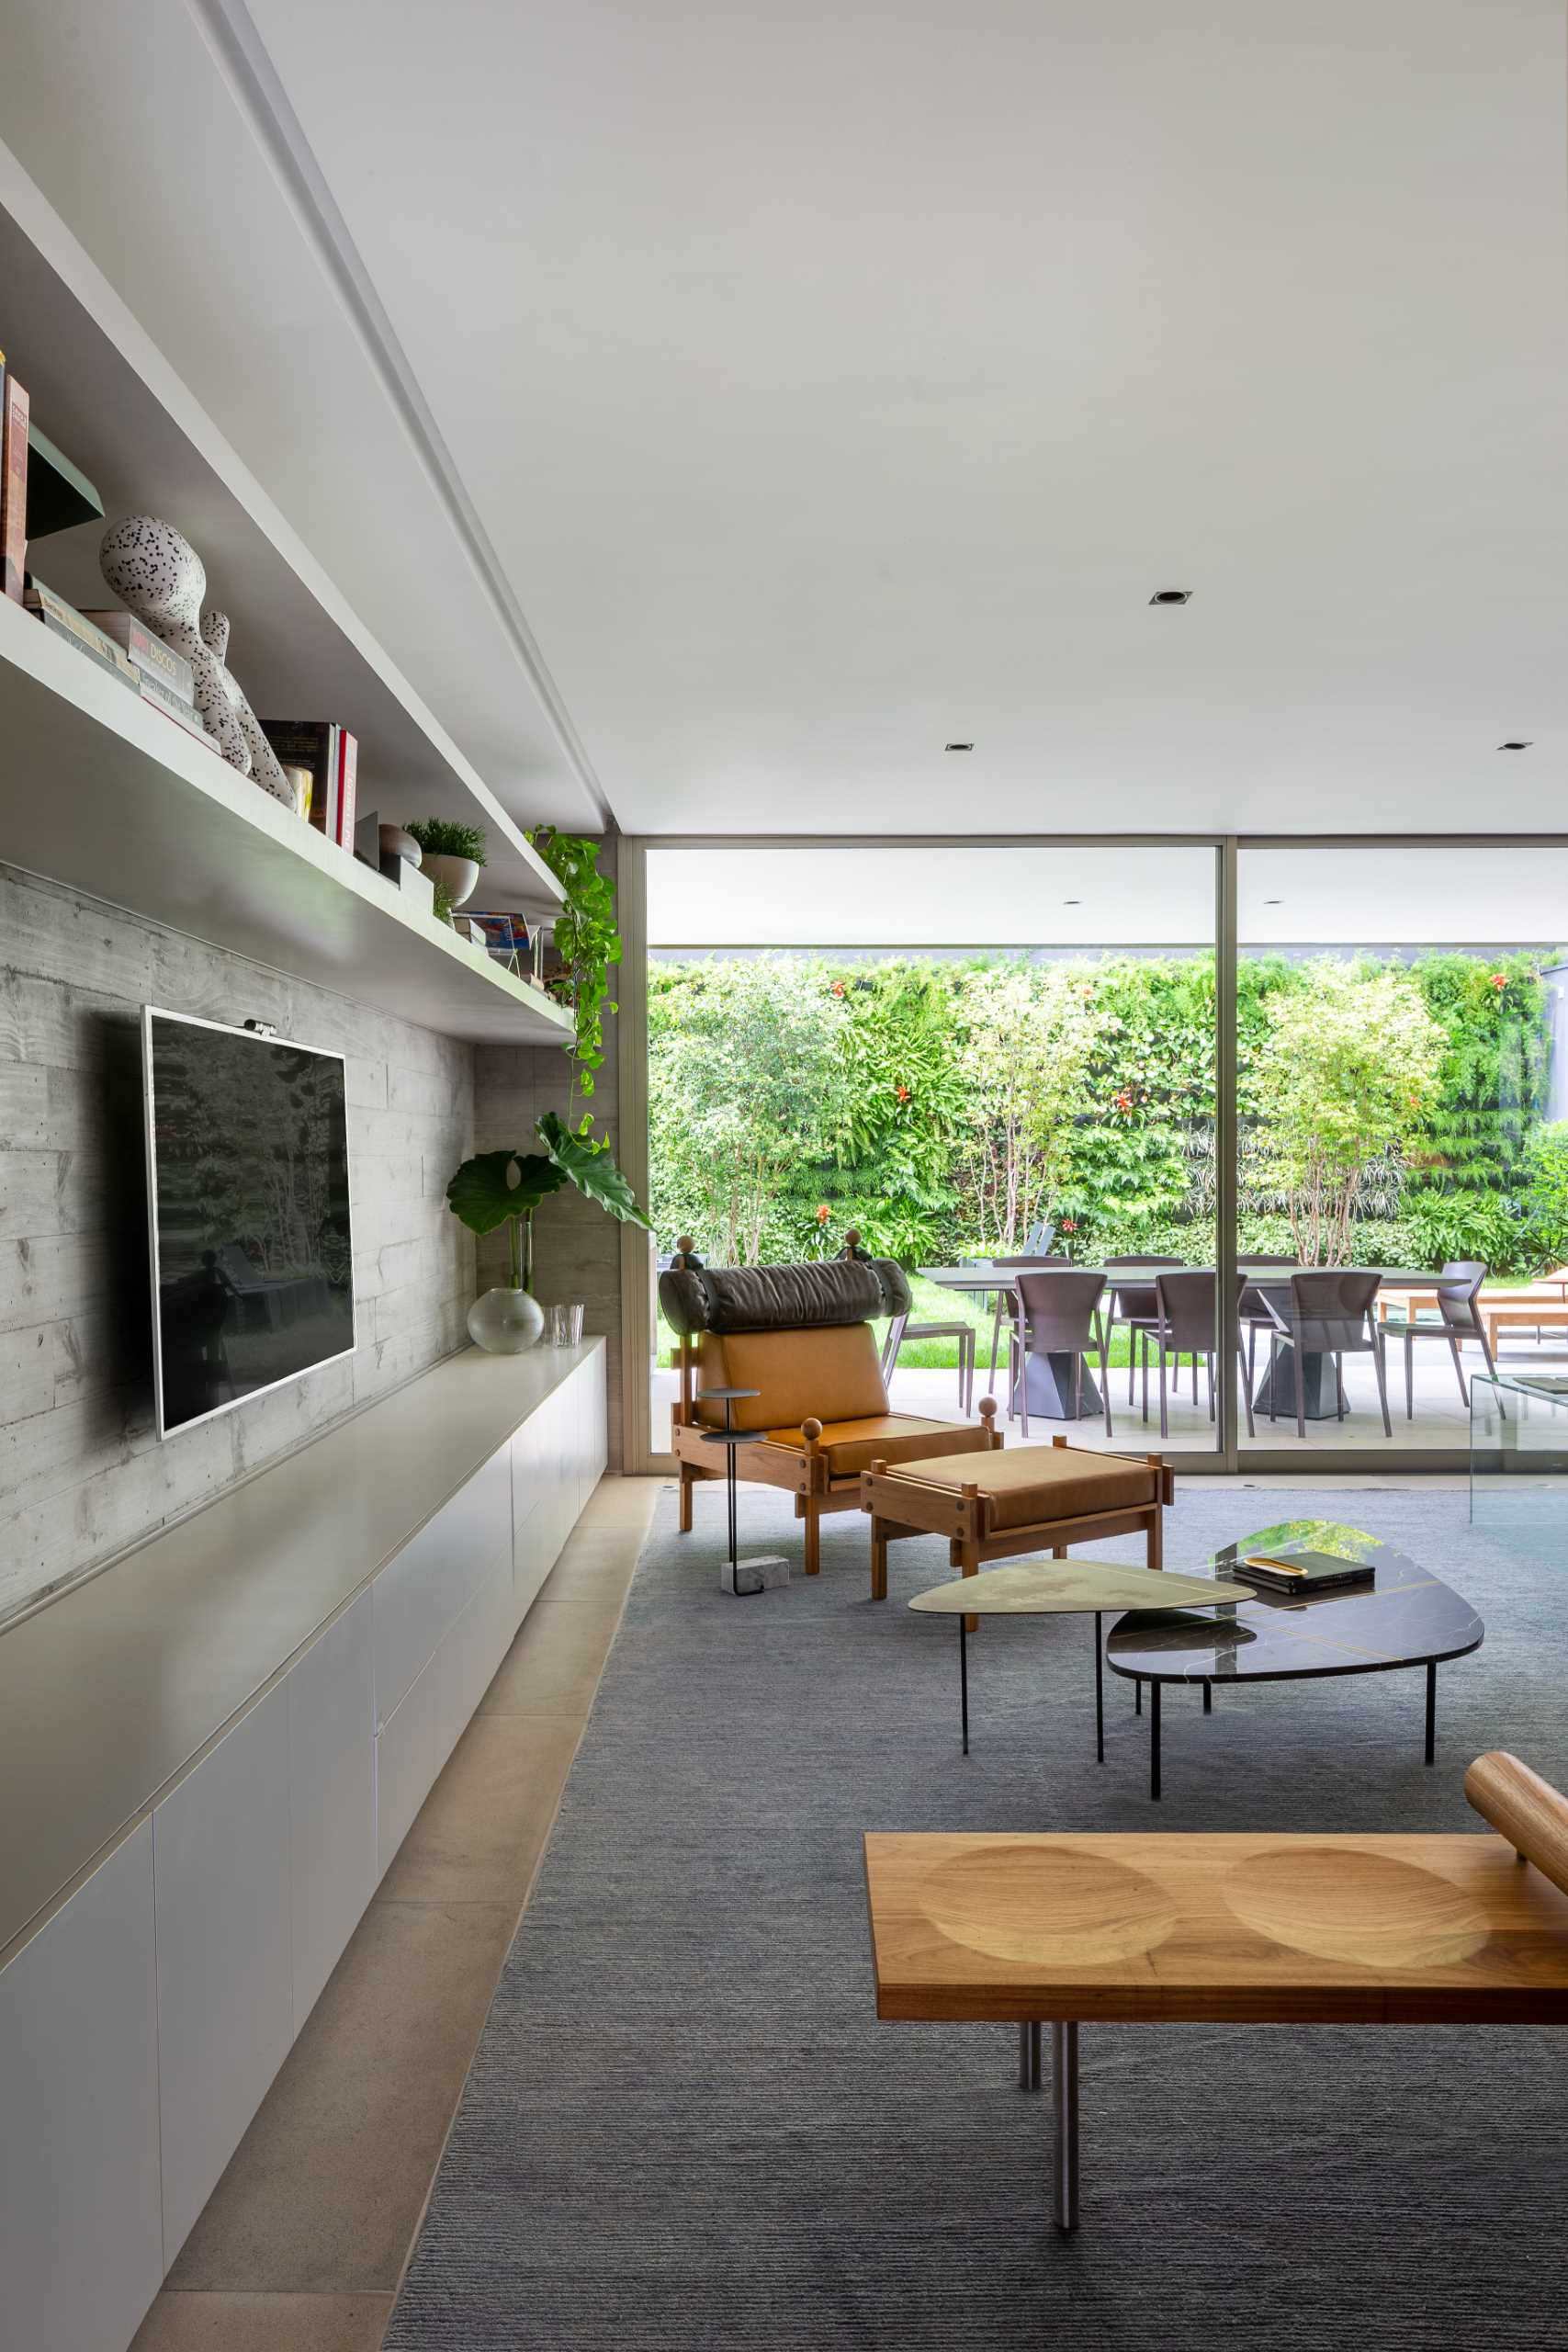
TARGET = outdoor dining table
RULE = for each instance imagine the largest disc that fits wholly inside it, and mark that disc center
(1276, 1390)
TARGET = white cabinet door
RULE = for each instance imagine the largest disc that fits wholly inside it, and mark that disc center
(332, 1797)
(599, 1458)
(431, 1581)
(225, 1993)
(413, 1745)
(81, 2218)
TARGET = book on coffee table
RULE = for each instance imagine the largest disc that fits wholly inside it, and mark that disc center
(1303, 1571)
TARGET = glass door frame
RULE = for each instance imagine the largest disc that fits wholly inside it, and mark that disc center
(1226, 1459)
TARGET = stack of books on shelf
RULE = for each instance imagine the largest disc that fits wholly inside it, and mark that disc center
(162, 676)
(330, 755)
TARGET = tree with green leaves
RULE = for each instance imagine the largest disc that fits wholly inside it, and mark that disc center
(1349, 1073)
(1029, 1037)
(747, 1083)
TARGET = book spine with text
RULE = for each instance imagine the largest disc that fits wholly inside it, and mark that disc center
(14, 490)
(184, 714)
(65, 621)
(148, 653)
(311, 744)
(347, 778)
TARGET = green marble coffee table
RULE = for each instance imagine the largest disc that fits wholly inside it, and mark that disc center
(1069, 1587)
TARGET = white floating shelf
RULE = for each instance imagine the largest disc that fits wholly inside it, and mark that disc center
(102, 792)
(104, 394)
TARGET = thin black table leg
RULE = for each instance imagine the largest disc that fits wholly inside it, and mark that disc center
(1099, 1694)
(1138, 1698)
(1208, 1698)
(1154, 1741)
(964, 1681)
(1065, 2121)
(1431, 1710)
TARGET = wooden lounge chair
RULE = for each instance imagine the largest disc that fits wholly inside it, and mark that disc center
(798, 1339)
(1258, 1929)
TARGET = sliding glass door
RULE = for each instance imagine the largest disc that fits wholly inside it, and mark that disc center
(1402, 1141)
(980, 1059)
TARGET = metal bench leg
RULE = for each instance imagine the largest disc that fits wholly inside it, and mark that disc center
(1029, 2054)
(1065, 2122)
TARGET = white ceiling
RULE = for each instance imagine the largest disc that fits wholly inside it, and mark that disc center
(832, 381)
(1126, 896)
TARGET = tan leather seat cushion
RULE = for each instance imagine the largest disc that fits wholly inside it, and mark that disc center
(829, 1374)
(852, 1446)
(1031, 1484)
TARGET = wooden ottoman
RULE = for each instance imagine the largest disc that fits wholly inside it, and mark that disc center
(1023, 1499)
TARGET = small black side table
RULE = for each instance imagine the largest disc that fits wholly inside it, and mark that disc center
(729, 1437)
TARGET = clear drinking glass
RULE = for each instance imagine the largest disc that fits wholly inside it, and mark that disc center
(566, 1325)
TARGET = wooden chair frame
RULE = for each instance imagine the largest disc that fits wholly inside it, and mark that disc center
(802, 1471)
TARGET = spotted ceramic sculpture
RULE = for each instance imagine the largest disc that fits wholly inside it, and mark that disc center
(161, 576)
(264, 768)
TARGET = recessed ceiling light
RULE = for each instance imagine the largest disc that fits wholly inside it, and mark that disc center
(1171, 597)
(1273, 902)
(1515, 746)
(1072, 903)
(958, 747)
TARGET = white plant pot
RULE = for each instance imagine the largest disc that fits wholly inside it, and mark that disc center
(459, 877)
(504, 1322)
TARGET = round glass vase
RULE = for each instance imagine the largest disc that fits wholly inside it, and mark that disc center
(509, 1319)
(505, 1321)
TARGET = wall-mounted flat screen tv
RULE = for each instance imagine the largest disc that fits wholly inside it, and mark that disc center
(247, 1183)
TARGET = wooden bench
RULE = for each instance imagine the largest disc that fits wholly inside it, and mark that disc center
(1244, 1928)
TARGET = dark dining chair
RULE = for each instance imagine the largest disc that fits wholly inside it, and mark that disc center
(1253, 1310)
(1331, 1313)
(1185, 1325)
(1004, 1298)
(1459, 1318)
(1135, 1307)
(1058, 1314)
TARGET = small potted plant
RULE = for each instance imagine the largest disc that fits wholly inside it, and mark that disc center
(451, 855)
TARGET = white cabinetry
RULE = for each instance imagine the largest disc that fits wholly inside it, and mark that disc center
(225, 1962)
(332, 1797)
(81, 2216)
(141, 2024)
(430, 1583)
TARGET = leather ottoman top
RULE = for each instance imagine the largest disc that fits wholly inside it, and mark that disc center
(1029, 1484)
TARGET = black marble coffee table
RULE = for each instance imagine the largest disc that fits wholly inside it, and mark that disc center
(1406, 1619)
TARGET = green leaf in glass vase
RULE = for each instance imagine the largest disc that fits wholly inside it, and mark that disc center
(591, 1167)
(484, 1196)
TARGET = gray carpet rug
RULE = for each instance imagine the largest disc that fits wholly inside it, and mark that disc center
(686, 2127)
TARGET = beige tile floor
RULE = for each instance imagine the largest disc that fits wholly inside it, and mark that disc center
(303, 2242)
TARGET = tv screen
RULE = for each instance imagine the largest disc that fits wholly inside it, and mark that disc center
(247, 1180)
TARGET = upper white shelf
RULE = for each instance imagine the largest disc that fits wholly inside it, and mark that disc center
(104, 393)
(100, 791)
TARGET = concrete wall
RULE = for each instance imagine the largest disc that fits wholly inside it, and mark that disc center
(81, 1472)
(577, 1248)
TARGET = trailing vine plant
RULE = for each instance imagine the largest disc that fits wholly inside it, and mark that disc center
(588, 942)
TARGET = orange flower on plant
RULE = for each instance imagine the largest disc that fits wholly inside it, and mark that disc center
(838, 988)
(823, 1211)
(902, 1092)
(1499, 979)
